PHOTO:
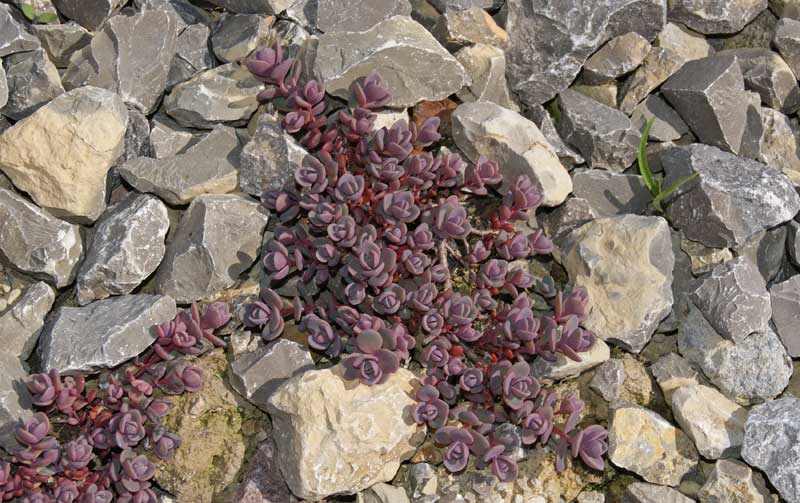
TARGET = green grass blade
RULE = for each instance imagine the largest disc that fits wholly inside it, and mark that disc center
(669, 190)
(28, 10)
(644, 167)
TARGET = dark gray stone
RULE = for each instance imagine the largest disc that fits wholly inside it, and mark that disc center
(254, 6)
(604, 136)
(269, 159)
(772, 444)
(258, 374)
(619, 56)
(21, 323)
(127, 247)
(218, 238)
(611, 194)
(785, 298)
(608, 379)
(61, 41)
(766, 249)
(33, 81)
(168, 138)
(137, 137)
(37, 243)
(734, 299)
(667, 125)
(421, 480)
(357, 15)
(642, 492)
(446, 5)
(15, 402)
(103, 334)
(793, 242)
(13, 35)
(235, 36)
(566, 217)
(192, 55)
(262, 481)
(766, 73)
(713, 16)
(731, 199)
(209, 167)
(91, 14)
(645, 17)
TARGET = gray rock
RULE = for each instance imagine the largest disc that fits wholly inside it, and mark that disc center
(258, 374)
(209, 167)
(752, 371)
(566, 217)
(409, 59)
(486, 67)
(657, 67)
(714, 423)
(36, 243)
(645, 17)
(235, 36)
(446, 5)
(544, 122)
(684, 42)
(254, 6)
(779, 147)
(641, 492)
(127, 247)
(130, 56)
(421, 480)
(3, 89)
(766, 73)
(671, 372)
(13, 35)
(15, 402)
(137, 137)
(226, 94)
(667, 125)
(766, 249)
(185, 13)
(33, 81)
(103, 334)
(611, 194)
(218, 238)
(91, 14)
(460, 28)
(61, 41)
(384, 493)
(734, 299)
(785, 298)
(772, 443)
(709, 95)
(608, 379)
(734, 481)
(714, 17)
(168, 138)
(566, 368)
(192, 55)
(704, 259)
(269, 159)
(262, 481)
(547, 47)
(787, 41)
(731, 199)
(619, 56)
(604, 136)
(604, 93)
(357, 15)
(22, 322)
(793, 242)
(757, 33)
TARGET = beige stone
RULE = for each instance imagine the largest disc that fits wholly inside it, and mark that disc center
(688, 44)
(335, 435)
(566, 368)
(60, 155)
(715, 423)
(734, 482)
(657, 67)
(703, 258)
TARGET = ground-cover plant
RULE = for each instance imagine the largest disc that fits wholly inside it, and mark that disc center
(96, 441)
(652, 183)
(391, 264)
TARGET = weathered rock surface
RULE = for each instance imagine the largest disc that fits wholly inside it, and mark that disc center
(484, 128)
(645, 17)
(20, 325)
(785, 300)
(766, 73)
(262, 481)
(752, 371)
(336, 436)
(685, 43)
(625, 263)
(787, 40)
(733, 481)
(32, 82)
(563, 219)
(712, 17)
(619, 56)
(767, 250)
(15, 402)
(13, 36)
(217, 239)
(235, 36)
(486, 67)
(208, 167)
(656, 68)
(672, 372)
(704, 259)
(103, 334)
(254, 6)
(338, 15)
(779, 147)
(409, 59)
(458, 28)
(269, 159)
(610, 194)
(714, 423)
(645, 443)
(730, 200)
(604, 136)
(772, 444)
(127, 247)
(641, 492)
(667, 125)
(130, 56)
(3, 90)
(192, 54)
(91, 14)
(603, 93)
(168, 139)
(184, 11)
(60, 155)
(226, 94)
(608, 379)
(36, 243)
(62, 40)
(566, 368)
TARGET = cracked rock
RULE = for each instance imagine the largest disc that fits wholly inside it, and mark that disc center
(713, 17)
(766, 73)
(127, 247)
(103, 334)
(785, 299)
(13, 35)
(611, 194)
(619, 56)
(656, 68)
(269, 159)
(486, 67)
(192, 55)
(36, 243)
(714, 423)
(61, 41)
(667, 126)
(218, 238)
(33, 81)
(338, 15)
(21, 324)
(236, 36)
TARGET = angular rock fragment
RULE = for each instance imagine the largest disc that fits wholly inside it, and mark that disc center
(541, 118)
(730, 200)
(33, 81)
(619, 56)
(226, 94)
(766, 249)
(779, 147)
(610, 194)
(60, 155)
(563, 219)
(703, 258)
(757, 33)
(413, 64)
(785, 299)
(103, 334)
(752, 371)
(127, 247)
(645, 443)
(235, 36)
(645, 17)
(603, 93)
(357, 15)
(446, 5)
(486, 67)
(641, 492)
(687, 44)
(3, 91)
(484, 128)
(91, 14)
(604, 136)
(168, 139)
(217, 239)
(766, 73)
(36, 243)
(254, 6)
(608, 379)
(192, 55)
(714, 423)
(787, 41)
(566, 368)
(459, 28)
(771, 440)
(131, 56)
(20, 325)
(15, 402)
(713, 17)
(269, 159)
(656, 68)
(734, 481)
(322, 425)
(184, 12)
(13, 35)
(257, 375)
(625, 263)
(667, 125)
(262, 481)
(793, 242)
(137, 138)
(61, 41)
(208, 167)
(673, 372)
